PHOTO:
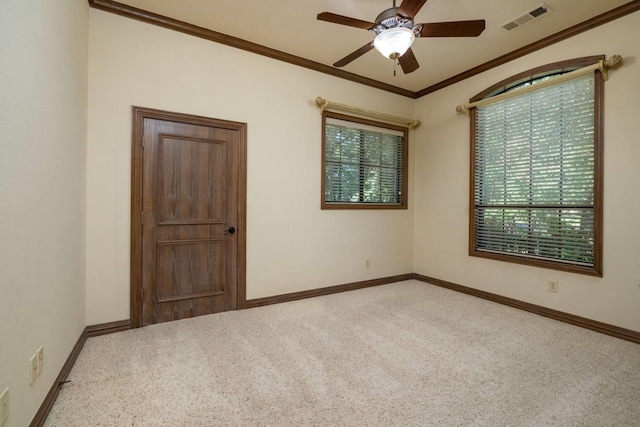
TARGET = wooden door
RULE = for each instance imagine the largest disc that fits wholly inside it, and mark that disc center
(192, 217)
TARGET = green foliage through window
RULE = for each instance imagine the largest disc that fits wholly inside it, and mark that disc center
(534, 174)
(363, 164)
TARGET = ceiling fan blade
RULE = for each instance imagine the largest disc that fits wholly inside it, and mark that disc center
(354, 55)
(408, 62)
(410, 8)
(345, 20)
(453, 29)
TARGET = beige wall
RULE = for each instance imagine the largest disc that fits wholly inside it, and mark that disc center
(291, 244)
(43, 101)
(442, 180)
(46, 168)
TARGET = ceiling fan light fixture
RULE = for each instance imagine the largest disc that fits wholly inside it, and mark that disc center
(394, 42)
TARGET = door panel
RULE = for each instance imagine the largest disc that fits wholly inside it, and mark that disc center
(189, 199)
(192, 180)
(189, 269)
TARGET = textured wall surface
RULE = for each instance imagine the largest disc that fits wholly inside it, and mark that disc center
(292, 245)
(442, 202)
(68, 79)
(43, 102)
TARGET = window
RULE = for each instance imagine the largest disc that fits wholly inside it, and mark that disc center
(536, 178)
(364, 164)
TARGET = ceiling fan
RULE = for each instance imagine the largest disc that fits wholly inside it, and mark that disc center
(396, 31)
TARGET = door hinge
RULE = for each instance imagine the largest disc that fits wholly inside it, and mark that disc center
(141, 294)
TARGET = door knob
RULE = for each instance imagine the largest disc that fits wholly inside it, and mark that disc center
(230, 230)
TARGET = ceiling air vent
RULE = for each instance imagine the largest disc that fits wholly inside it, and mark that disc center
(527, 17)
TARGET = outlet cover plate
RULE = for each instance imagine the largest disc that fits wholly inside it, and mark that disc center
(33, 368)
(4, 406)
(40, 354)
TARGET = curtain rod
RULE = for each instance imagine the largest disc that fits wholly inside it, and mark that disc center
(601, 65)
(323, 104)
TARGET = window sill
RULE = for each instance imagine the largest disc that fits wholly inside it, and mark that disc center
(361, 206)
(588, 270)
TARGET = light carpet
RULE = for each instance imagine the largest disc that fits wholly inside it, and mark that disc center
(404, 354)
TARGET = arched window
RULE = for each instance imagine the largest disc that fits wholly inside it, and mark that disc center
(536, 171)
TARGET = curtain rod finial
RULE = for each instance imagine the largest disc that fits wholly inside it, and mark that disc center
(613, 61)
(321, 102)
(604, 65)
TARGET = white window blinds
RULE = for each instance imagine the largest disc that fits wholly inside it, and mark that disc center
(534, 174)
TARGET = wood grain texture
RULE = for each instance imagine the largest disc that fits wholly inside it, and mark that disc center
(345, 20)
(176, 219)
(189, 199)
(453, 29)
(107, 328)
(258, 302)
(183, 162)
(190, 269)
(594, 325)
(408, 62)
(410, 8)
(354, 55)
(598, 176)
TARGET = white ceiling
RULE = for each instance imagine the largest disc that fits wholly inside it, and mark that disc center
(291, 26)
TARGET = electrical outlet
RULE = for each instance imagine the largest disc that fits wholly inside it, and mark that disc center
(40, 354)
(4, 406)
(553, 286)
(367, 263)
(33, 368)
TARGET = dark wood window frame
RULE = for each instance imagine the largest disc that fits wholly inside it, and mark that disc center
(404, 172)
(596, 268)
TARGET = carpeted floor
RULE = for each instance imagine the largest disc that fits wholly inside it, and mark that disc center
(404, 354)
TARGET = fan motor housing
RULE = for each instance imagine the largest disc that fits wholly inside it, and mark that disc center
(391, 19)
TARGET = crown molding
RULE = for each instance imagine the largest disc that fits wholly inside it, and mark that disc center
(225, 39)
(596, 21)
